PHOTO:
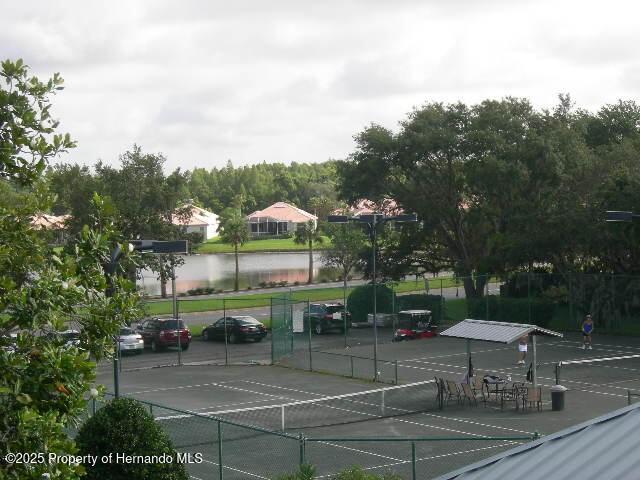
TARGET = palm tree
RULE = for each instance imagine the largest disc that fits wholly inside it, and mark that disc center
(307, 234)
(234, 232)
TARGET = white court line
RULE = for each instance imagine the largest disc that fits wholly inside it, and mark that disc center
(233, 404)
(420, 413)
(360, 451)
(235, 469)
(433, 457)
(182, 387)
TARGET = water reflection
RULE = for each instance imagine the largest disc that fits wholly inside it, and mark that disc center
(217, 271)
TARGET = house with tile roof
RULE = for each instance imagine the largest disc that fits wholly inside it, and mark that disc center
(281, 218)
(197, 220)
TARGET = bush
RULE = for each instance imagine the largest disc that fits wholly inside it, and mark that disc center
(307, 472)
(360, 301)
(124, 426)
(421, 302)
(514, 310)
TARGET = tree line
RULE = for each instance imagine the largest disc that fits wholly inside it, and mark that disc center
(501, 186)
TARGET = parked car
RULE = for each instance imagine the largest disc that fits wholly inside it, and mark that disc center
(8, 343)
(130, 341)
(239, 328)
(69, 338)
(160, 333)
(324, 317)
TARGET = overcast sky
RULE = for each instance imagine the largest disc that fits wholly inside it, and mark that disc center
(293, 80)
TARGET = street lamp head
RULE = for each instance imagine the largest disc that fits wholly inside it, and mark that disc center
(619, 216)
(405, 218)
(338, 219)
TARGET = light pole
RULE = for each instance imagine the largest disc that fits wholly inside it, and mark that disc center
(145, 246)
(373, 221)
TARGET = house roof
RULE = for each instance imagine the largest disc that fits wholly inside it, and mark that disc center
(52, 222)
(387, 206)
(500, 332)
(283, 212)
(603, 447)
(199, 217)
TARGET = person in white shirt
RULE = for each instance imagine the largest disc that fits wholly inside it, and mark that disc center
(522, 348)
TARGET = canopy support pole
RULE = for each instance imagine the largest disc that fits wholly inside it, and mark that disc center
(535, 362)
(468, 360)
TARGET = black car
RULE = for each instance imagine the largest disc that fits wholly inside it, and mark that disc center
(326, 316)
(239, 328)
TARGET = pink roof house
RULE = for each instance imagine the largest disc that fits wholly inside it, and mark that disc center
(278, 219)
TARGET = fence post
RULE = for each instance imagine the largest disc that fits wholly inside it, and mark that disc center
(396, 366)
(226, 337)
(309, 329)
(441, 303)
(413, 460)
(486, 296)
(351, 359)
(272, 323)
(150, 409)
(93, 406)
(302, 446)
(220, 474)
(529, 297)
(628, 397)
(558, 373)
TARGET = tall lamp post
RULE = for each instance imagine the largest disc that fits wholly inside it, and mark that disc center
(145, 246)
(372, 222)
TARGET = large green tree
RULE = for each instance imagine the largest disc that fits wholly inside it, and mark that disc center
(44, 383)
(465, 170)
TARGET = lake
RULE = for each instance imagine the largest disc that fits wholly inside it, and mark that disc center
(218, 270)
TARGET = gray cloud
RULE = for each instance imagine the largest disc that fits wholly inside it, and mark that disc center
(287, 80)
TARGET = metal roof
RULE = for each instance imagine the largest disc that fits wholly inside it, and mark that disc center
(604, 447)
(501, 332)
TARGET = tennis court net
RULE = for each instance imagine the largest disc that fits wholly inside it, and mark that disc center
(337, 410)
(618, 373)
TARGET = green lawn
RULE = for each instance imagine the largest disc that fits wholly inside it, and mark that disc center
(264, 299)
(215, 245)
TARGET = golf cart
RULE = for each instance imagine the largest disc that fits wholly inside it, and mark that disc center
(413, 324)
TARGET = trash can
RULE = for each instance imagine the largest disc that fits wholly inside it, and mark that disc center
(557, 397)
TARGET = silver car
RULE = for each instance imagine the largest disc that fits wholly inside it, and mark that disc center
(130, 341)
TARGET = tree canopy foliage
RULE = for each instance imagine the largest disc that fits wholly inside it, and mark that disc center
(501, 186)
(45, 381)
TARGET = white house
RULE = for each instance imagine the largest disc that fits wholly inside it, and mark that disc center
(278, 219)
(200, 221)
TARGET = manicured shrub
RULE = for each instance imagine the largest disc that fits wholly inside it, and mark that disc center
(420, 302)
(124, 426)
(360, 301)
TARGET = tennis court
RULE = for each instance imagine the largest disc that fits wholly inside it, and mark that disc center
(382, 430)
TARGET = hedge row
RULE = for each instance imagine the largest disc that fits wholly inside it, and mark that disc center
(514, 310)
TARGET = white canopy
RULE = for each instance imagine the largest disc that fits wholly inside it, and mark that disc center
(500, 332)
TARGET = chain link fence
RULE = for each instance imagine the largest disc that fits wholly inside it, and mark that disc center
(233, 451)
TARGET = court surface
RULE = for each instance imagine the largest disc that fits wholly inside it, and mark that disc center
(207, 390)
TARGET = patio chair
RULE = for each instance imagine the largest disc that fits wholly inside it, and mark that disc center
(468, 394)
(532, 396)
(479, 385)
(452, 391)
(440, 391)
(512, 393)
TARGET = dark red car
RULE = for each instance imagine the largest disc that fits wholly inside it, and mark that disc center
(160, 333)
